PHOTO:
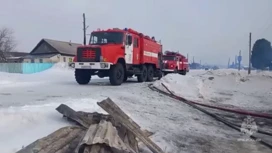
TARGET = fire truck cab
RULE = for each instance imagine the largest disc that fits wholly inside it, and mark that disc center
(174, 62)
(118, 54)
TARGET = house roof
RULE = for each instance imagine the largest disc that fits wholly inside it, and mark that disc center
(39, 56)
(15, 54)
(61, 46)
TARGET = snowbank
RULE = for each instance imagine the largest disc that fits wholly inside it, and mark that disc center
(224, 86)
(59, 71)
(61, 66)
(188, 86)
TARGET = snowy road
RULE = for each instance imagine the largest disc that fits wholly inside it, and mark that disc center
(28, 102)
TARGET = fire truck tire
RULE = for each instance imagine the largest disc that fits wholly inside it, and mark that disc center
(150, 73)
(183, 72)
(176, 70)
(82, 76)
(125, 78)
(142, 77)
(160, 75)
(117, 73)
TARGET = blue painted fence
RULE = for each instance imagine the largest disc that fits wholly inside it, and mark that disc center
(24, 68)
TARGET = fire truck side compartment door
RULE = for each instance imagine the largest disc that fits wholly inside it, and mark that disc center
(129, 49)
(181, 63)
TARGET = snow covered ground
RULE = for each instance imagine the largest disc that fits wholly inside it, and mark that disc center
(226, 87)
(28, 102)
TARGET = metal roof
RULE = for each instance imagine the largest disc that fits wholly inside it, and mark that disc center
(63, 47)
(39, 56)
(15, 54)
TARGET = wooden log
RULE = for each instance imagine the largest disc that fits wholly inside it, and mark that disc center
(71, 114)
(94, 118)
(64, 140)
(109, 106)
(82, 118)
(98, 148)
(147, 133)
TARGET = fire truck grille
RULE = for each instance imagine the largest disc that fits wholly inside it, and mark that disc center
(88, 54)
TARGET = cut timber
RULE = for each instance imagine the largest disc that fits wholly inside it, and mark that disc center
(92, 119)
(98, 148)
(64, 140)
(71, 114)
(147, 133)
(109, 106)
(103, 133)
(82, 118)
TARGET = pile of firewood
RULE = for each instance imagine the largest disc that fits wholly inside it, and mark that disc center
(94, 133)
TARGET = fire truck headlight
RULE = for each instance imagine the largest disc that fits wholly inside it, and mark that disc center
(104, 65)
(72, 65)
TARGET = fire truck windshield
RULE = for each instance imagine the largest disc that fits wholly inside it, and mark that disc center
(99, 38)
(169, 58)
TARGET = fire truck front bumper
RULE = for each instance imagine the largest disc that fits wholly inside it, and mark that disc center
(91, 65)
(168, 70)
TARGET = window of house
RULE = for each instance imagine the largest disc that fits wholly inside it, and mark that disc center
(70, 60)
(32, 60)
(64, 59)
(41, 60)
(135, 43)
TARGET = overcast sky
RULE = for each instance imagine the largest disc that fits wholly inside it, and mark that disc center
(209, 30)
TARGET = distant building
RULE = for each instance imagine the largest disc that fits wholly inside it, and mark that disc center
(15, 57)
(195, 66)
(52, 51)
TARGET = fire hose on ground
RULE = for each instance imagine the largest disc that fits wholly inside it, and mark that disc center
(218, 118)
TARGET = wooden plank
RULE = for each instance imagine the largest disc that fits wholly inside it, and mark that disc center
(82, 118)
(64, 140)
(109, 106)
(71, 114)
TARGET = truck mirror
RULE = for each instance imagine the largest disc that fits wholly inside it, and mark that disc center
(129, 39)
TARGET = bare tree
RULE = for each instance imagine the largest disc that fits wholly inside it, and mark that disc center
(7, 43)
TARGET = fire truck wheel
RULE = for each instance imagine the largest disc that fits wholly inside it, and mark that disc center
(176, 70)
(117, 74)
(82, 76)
(183, 72)
(142, 77)
(125, 78)
(150, 73)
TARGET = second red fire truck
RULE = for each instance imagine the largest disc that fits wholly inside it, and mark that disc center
(174, 62)
(118, 54)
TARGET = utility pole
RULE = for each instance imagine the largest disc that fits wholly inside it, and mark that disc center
(187, 56)
(239, 61)
(229, 63)
(193, 59)
(84, 29)
(235, 62)
(249, 53)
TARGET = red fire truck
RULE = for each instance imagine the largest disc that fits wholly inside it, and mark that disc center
(118, 54)
(174, 62)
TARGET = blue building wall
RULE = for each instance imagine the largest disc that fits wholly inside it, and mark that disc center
(24, 68)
